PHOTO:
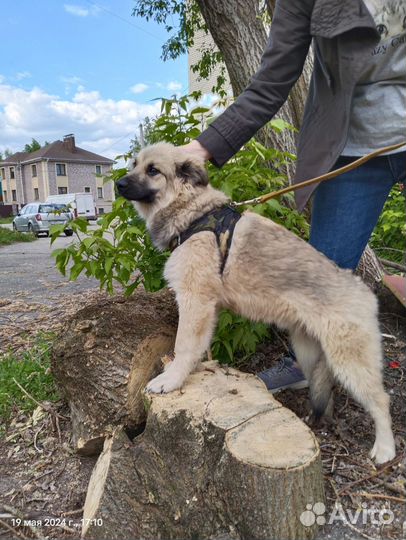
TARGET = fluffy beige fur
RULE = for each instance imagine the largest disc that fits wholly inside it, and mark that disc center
(270, 275)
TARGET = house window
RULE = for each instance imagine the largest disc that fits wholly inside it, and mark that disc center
(12, 175)
(62, 190)
(87, 189)
(34, 170)
(36, 194)
(60, 169)
(100, 193)
(14, 195)
(101, 210)
(3, 173)
(5, 196)
(98, 169)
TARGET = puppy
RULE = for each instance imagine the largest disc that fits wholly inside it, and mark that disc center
(269, 275)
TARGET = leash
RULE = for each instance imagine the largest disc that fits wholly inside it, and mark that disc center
(322, 178)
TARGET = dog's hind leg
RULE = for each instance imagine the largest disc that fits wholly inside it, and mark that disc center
(197, 321)
(311, 359)
(355, 360)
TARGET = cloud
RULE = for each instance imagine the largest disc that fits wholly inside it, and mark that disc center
(80, 11)
(174, 86)
(139, 88)
(22, 75)
(101, 125)
(71, 83)
(71, 80)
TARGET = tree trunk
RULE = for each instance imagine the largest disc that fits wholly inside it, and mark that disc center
(241, 37)
(104, 358)
(221, 458)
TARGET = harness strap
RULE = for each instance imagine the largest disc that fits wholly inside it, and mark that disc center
(221, 222)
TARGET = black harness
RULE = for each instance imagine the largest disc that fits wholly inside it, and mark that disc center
(221, 222)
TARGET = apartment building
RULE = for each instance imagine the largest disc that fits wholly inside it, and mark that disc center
(58, 168)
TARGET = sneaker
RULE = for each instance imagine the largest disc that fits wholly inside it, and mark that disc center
(286, 374)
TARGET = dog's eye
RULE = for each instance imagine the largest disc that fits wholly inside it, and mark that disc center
(152, 171)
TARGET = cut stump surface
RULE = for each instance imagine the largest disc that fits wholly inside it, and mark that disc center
(221, 457)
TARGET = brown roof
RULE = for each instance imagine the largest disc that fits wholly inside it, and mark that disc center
(56, 151)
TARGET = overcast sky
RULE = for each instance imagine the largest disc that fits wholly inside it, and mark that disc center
(84, 67)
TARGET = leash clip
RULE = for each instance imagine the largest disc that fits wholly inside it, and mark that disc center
(252, 202)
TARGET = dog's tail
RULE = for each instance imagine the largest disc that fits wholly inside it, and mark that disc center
(321, 389)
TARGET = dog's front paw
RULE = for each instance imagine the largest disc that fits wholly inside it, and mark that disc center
(168, 381)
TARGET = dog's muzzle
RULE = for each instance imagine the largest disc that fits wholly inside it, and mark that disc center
(132, 191)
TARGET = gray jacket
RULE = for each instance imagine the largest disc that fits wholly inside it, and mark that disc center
(344, 33)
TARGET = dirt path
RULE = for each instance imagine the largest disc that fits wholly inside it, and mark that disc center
(28, 270)
(34, 295)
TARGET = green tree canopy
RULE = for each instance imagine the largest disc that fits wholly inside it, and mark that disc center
(33, 146)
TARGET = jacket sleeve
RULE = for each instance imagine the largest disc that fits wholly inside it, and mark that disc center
(281, 65)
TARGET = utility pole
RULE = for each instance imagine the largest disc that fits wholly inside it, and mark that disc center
(142, 140)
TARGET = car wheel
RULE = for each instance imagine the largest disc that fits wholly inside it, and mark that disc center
(31, 230)
(68, 233)
(14, 227)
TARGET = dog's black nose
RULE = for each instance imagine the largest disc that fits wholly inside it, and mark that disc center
(122, 184)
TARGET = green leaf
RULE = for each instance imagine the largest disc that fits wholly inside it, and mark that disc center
(279, 125)
(274, 204)
(76, 270)
(108, 264)
(229, 350)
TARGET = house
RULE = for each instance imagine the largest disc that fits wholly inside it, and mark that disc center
(202, 41)
(58, 168)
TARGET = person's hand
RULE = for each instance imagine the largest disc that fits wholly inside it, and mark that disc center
(196, 149)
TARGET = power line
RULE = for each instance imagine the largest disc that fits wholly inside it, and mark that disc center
(123, 19)
(132, 132)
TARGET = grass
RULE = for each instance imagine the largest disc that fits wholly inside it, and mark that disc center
(7, 237)
(5, 220)
(31, 370)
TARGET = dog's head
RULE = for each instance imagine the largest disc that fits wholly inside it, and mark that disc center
(159, 174)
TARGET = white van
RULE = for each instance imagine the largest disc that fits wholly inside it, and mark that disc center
(81, 204)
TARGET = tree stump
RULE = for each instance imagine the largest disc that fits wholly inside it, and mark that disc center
(219, 459)
(105, 356)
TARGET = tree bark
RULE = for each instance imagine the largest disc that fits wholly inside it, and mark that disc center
(104, 358)
(239, 33)
(219, 459)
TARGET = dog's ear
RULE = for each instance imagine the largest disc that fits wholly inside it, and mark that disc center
(192, 173)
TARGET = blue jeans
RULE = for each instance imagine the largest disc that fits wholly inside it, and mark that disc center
(346, 209)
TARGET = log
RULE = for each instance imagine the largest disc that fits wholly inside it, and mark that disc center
(219, 459)
(105, 356)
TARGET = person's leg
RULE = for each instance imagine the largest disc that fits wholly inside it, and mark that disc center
(346, 209)
(344, 213)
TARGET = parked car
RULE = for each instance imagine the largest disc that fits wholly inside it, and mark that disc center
(37, 218)
(81, 204)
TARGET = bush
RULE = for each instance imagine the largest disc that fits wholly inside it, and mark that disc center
(389, 236)
(7, 237)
